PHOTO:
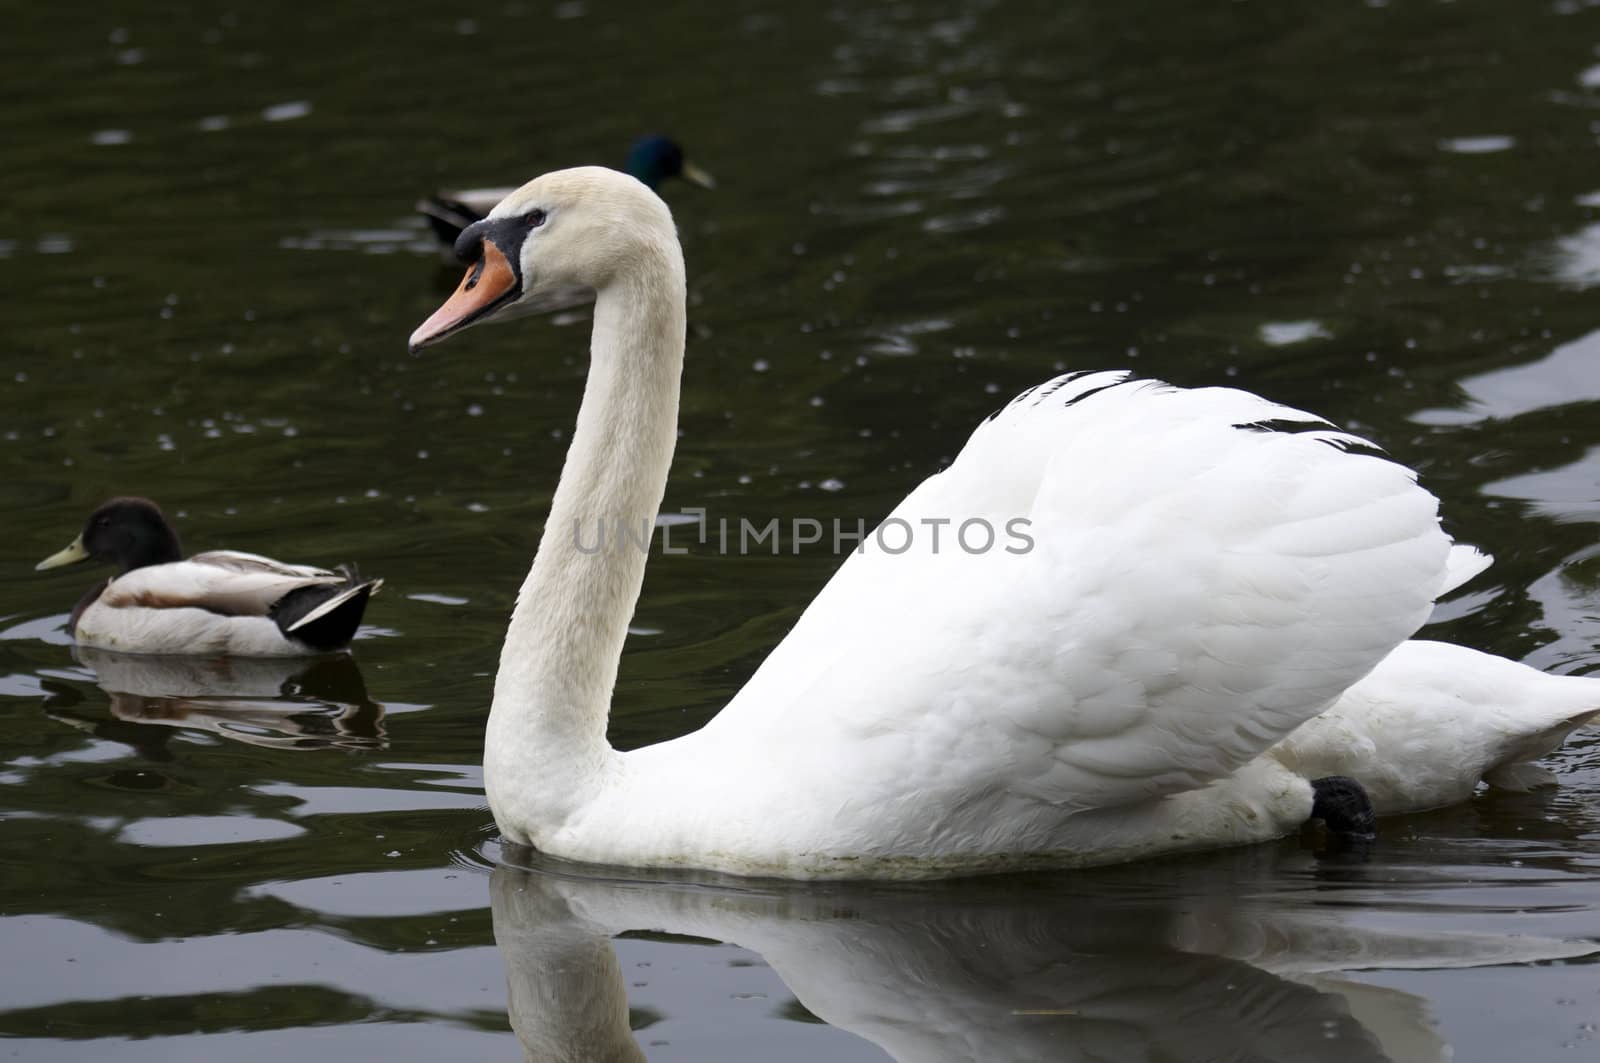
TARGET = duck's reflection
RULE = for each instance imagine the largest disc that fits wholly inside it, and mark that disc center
(999, 970)
(279, 703)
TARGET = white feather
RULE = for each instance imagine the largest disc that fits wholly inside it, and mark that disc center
(212, 603)
(184, 630)
(227, 587)
(240, 561)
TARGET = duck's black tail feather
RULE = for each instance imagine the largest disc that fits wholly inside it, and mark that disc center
(324, 617)
(447, 217)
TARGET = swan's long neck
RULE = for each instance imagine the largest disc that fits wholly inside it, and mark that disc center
(546, 747)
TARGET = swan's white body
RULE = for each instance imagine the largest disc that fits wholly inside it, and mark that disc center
(1208, 571)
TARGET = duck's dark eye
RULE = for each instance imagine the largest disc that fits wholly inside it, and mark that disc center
(534, 218)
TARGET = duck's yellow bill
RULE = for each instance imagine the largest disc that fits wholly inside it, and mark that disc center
(74, 553)
(696, 176)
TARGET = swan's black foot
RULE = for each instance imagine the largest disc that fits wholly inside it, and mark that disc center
(1343, 805)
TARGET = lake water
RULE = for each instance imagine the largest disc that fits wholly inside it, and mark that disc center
(1386, 212)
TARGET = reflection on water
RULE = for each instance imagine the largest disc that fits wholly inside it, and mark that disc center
(1575, 259)
(1567, 493)
(406, 237)
(1232, 965)
(283, 703)
(1565, 375)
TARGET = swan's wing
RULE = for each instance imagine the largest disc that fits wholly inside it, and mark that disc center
(225, 582)
(1202, 571)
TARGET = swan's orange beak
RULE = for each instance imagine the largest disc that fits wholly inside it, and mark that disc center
(490, 283)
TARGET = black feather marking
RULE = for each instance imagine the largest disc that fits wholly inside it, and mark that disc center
(1039, 392)
(1352, 445)
(1286, 425)
(1345, 444)
(447, 217)
(326, 633)
(1050, 387)
(1080, 396)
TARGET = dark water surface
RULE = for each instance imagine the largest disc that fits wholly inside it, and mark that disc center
(1387, 212)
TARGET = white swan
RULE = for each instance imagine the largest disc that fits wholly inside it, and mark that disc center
(1208, 572)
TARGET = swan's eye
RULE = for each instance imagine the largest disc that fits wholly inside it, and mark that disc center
(534, 218)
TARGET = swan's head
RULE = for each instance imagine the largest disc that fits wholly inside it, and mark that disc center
(585, 227)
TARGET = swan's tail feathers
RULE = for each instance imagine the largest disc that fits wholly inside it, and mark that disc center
(1463, 563)
(324, 616)
(447, 217)
(1516, 770)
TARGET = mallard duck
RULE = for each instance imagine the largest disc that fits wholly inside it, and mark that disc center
(218, 602)
(1199, 638)
(651, 159)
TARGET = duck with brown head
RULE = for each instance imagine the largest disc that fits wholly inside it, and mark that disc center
(222, 602)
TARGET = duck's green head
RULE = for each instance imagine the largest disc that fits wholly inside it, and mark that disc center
(654, 159)
(128, 532)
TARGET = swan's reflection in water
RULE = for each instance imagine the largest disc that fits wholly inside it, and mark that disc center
(292, 703)
(1036, 969)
